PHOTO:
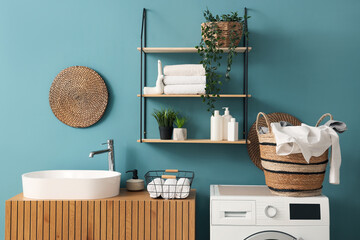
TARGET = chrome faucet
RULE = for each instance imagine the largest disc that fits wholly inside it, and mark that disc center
(110, 151)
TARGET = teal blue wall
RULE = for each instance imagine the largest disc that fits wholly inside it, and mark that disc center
(305, 62)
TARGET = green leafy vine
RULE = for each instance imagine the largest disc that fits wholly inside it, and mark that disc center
(211, 53)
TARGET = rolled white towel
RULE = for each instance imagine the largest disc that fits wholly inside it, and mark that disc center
(182, 188)
(185, 89)
(152, 90)
(169, 189)
(184, 70)
(155, 187)
(179, 80)
(159, 89)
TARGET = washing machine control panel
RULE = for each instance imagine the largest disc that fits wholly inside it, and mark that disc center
(274, 211)
(283, 211)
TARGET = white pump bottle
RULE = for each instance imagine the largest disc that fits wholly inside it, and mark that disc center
(226, 119)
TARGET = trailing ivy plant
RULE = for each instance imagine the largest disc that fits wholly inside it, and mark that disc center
(211, 54)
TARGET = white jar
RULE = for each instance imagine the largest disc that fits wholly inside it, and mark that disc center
(233, 130)
(216, 127)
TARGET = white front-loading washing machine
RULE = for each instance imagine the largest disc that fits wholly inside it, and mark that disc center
(254, 213)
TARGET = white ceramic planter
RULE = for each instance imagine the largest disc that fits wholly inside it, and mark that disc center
(180, 134)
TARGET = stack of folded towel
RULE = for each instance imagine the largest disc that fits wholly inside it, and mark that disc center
(169, 189)
(179, 79)
(184, 79)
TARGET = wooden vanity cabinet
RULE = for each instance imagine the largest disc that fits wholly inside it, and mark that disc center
(129, 216)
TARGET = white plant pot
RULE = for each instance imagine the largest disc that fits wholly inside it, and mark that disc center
(180, 134)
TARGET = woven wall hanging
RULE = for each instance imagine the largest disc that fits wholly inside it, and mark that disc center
(253, 147)
(78, 96)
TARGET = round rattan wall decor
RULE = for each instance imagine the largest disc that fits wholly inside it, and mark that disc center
(253, 147)
(78, 96)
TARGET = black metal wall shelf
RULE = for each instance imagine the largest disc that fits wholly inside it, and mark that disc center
(146, 50)
(184, 49)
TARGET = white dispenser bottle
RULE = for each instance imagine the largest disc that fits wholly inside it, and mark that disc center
(233, 130)
(216, 127)
(226, 119)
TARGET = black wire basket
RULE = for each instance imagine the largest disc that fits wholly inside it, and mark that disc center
(169, 184)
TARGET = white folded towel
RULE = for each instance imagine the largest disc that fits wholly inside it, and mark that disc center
(159, 89)
(184, 70)
(155, 187)
(182, 188)
(310, 141)
(180, 80)
(185, 89)
(169, 189)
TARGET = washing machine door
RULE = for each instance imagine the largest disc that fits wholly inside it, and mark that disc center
(270, 235)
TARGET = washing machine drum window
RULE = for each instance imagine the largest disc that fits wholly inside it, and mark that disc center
(270, 235)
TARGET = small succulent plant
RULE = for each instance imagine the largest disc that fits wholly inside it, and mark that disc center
(180, 121)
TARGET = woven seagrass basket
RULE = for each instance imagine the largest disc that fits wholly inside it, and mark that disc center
(290, 175)
(78, 96)
(227, 31)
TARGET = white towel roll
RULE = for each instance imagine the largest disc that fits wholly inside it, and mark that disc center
(169, 189)
(155, 187)
(184, 70)
(182, 188)
(185, 89)
(160, 72)
(179, 80)
(159, 89)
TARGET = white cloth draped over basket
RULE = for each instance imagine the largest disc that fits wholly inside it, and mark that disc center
(309, 141)
(294, 158)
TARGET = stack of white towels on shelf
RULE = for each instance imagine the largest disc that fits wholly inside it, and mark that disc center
(185, 79)
(169, 188)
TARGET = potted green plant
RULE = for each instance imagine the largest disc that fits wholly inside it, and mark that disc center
(218, 32)
(227, 29)
(180, 133)
(165, 119)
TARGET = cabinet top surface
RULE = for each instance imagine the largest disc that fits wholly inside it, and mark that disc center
(124, 195)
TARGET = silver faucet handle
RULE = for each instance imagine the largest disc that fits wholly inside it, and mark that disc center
(110, 141)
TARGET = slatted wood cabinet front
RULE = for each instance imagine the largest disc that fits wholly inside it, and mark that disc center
(128, 216)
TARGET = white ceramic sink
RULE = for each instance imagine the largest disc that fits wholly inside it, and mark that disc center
(71, 184)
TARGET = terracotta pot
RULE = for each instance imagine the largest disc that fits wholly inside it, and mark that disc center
(180, 134)
(228, 30)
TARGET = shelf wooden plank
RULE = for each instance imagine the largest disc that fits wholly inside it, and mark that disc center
(194, 95)
(184, 49)
(241, 141)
